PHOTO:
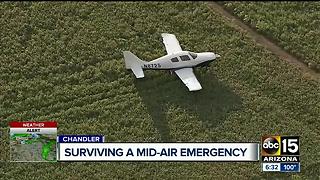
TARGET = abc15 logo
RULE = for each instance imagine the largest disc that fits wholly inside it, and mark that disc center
(280, 145)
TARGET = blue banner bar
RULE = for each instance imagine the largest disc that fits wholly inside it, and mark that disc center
(290, 167)
(80, 138)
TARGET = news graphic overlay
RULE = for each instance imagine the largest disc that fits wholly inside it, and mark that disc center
(33, 141)
(78, 139)
(97, 151)
(280, 153)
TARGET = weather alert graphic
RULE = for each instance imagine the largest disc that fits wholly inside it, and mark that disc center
(33, 141)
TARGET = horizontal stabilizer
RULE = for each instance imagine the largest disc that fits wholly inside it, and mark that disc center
(137, 71)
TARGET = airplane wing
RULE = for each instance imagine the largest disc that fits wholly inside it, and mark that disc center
(188, 78)
(171, 43)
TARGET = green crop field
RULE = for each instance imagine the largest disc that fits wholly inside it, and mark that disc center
(293, 25)
(63, 61)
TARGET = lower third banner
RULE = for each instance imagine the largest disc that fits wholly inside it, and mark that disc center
(158, 152)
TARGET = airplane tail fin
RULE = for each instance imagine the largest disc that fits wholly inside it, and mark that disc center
(134, 63)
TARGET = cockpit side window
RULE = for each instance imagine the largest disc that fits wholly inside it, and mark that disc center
(185, 58)
(193, 55)
(175, 59)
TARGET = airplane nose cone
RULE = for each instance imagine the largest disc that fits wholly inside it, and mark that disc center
(214, 56)
(209, 55)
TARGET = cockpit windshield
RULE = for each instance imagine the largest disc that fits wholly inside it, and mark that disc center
(193, 55)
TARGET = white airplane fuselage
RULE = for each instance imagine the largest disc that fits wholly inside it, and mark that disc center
(182, 59)
(178, 61)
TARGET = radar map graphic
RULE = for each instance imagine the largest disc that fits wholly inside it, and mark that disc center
(33, 147)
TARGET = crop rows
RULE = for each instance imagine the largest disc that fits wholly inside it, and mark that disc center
(63, 61)
(292, 25)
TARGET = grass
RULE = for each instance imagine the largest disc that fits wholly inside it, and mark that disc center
(293, 25)
(63, 61)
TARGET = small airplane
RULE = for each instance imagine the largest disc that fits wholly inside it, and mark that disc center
(177, 60)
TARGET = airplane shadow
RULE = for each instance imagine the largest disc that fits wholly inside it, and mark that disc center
(211, 104)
